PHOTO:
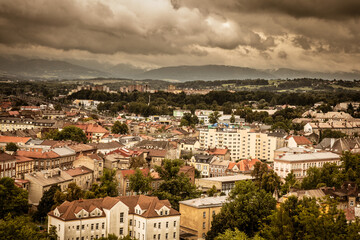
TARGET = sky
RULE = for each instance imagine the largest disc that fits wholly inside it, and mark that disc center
(315, 35)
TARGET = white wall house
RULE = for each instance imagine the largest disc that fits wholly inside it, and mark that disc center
(141, 217)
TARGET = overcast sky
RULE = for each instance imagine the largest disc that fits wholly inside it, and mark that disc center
(321, 35)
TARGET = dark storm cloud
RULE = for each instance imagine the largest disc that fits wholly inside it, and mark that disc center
(119, 26)
(327, 9)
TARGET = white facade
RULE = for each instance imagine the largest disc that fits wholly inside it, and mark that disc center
(243, 143)
(94, 218)
(300, 162)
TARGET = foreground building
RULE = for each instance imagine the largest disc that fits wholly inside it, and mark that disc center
(197, 214)
(141, 217)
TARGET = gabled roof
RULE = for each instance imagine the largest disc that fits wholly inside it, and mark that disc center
(300, 140)
(6, 157)
(78, 171)
(218, 151)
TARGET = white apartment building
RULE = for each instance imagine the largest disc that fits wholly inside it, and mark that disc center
(300, 162)
(243, 143)
(141, 217)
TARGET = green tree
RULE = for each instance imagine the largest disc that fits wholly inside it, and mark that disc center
(176, 186)
(139, 183)
(214, 117)
(266, 178)
(21, 227)
(136, 162)
(235, 235)
(11, 147)
(247, 209)
(307, 219)
(13, 200)
(120, 128)
(73, 192)
(67, 133)
(290, 182)
(212, 191)
(189, 119)
(46, 204)
(232, 119)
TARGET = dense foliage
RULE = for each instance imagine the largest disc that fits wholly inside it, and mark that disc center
(247, 209)
(120, 128)
(13, 200)
(67, 133)
(175, 186)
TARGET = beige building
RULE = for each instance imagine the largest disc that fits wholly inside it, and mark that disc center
(82, 176)
(197, 214)
(43, 180)
(298, 163)
(223, 184)
(91, 161)
(141, 217)
(242, 143)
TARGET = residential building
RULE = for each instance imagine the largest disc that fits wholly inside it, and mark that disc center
(82, 176)
(243, 166)
(91, 161)
(24, 165)
(299, 163)
(222, 154)
(141, 217)
(340, 145)
(242, 143)
(105, 148)
(218, 168)
(19, 141)
(202, 163)
(7, 165)
(223, 184)
(41, 181)
(197, 214)
(298, 141)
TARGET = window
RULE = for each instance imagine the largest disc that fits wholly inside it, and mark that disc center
(121, 232)
(92, 226)
(77, 227)
(97, 226)
(167, 224)
(159, 225)
(204, 214)
(174, 235)
(213, 213)
(159, 235)
(154, 225)
(203, 225)
(154, 236)
(174, 223)
(83, 227)
(130, 222)
(103, 225)
(121, 217)
(143, 225)
(166, 236)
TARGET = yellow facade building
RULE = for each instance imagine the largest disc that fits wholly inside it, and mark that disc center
(197, 214)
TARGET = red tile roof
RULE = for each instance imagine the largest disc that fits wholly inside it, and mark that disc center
(300, 140)
(218, 151)
(128, 172)
(78, 171)
(42, 155)
(8, 139)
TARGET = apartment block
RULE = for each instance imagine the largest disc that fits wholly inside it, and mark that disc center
(242, 143)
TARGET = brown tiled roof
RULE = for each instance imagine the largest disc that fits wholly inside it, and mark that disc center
(6, 157)
(301, 140)
(78, 171)
(8, 139)
(157, 153)
(81, 147)
(42, 155)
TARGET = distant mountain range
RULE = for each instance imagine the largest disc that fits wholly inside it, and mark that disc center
(51, 69)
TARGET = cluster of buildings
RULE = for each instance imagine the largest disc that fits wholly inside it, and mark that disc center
(221, 154)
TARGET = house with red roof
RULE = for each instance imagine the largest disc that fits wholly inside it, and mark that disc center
(221, 153)
(243, 166)
(298, 141)
(140, 217)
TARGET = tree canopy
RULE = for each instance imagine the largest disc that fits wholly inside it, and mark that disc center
(120, 128)
(176, 186)
(13, 200)
(139, 183)
(247, 209)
